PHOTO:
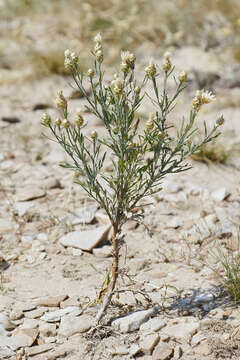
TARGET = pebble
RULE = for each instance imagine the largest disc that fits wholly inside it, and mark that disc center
(220, 194)
(35, 313)
(84, 215)
(29, 324)
(85, 240)
(154, 324)
(55, 316)
(16, 314)
(26, 336)
(42, 237)
(5, 322)
(29, 192)
(51, 300)
(182, 332)
(72, 301)
(162, 352)
(5, 352)
(48, 329)
(132, 321)
(21, 207)
(77, 252)
(204, 298)
(148, 342)
(175, 223)
(197, 339)
(39, 349)
(103, 252)
(71, 325)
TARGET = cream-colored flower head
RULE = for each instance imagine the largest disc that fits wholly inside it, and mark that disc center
(61, 102)
(166, 65)
(117, 86)
(128, 58)
(57, 122)
(79, 119)
(65, 123)
(151, 69)
(94, 135)
(98, 38)
(183, 76)
(202, 97)
(46, 119)
(90, 73)
(220, 121)
(71, 59)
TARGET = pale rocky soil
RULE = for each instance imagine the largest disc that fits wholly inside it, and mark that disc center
(48, 291)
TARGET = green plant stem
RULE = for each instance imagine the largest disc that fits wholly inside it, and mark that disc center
(114, 270)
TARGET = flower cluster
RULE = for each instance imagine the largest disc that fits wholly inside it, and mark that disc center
(128, 61)
(166, 65)
(71, 59)
(202, 97)
(98, 51)
(151, 69)
(117, 86)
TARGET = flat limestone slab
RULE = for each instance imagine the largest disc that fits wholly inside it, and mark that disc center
(85, 240)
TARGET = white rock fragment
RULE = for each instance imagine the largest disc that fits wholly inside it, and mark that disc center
(5, 322)
(103, 252)
(220, 194)
(26, 336)
(148, 342)
(204, 298)
(71, 325)
(85, 240)
(30, 192)
(54, 316)
(47, 329)
(39, 349)
(175, 223)
(84, 215)
(182, 332)
(132, 321)
(154, 324)
(5, 352)
(77, 252)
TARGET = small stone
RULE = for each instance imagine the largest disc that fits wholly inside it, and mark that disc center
(175, 223)
(34, 314)
(133, 321)
(85, 240)
(84, 215)
(72, 301)
(197, 339)
(103, 252)
(119, 350)
(220, 194)
(27, 336)
(30, 192)
(5, 352)
(27, 239)
(5, 322)
(71, 325)
(39, 349)
(162, 352)
(154, 324)
(203, 349)
(77, 252)
(134, 350)
(5, 226)
(148, 343)
(22, 208)
(42, 237)
(204, 298)
(16, 314)
(51, 301)
(47, 329)
(102, 218)
(29, 324)
(177, 352)
(183, 331)
(55, 316)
